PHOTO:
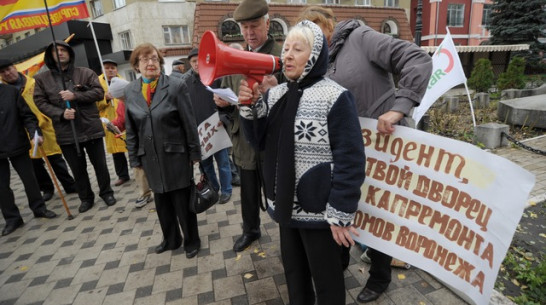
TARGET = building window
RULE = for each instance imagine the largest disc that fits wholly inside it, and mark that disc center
(230, 30)
(119, 4)
(391, 3)
(331, 1)
(362, 3)
(486, 14)
(390, 27)
(125, 40)
(297, 1)
(176, 34)
(455, 15)
(276, 29)
(96, 8)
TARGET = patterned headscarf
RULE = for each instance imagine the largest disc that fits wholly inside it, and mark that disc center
(318, 59)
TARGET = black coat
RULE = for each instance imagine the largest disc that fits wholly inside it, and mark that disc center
(202, 100)
(15, 117)
(84, 83)
(162, 138)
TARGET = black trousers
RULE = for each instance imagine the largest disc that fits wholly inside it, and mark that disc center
(380, 271)
(78, 165)
(250, 201)
(23, 166)
(312, 256)
(61, 172)
(120, 164)
(173, 211)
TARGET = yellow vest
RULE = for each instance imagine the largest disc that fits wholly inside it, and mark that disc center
(50, 145)
(108, 110)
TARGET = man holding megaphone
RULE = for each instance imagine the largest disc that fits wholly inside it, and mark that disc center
(253, 19)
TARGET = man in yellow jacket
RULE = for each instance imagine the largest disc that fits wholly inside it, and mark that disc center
(107, 109)
(10, 75)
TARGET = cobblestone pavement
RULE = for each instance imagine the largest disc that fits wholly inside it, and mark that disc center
(106, 256)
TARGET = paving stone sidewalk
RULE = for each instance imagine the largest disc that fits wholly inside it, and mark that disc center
(106, 256)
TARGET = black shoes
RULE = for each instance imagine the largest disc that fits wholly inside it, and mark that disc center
(244, 241)
(192, 253)
(236, 181)
(367, 295)
(44, 213)
(164, 247)
(110, 200)
(85, 206)
(11, 227)
(47, 195)
(224, 198)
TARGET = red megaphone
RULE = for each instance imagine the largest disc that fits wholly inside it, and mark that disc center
(216, 59)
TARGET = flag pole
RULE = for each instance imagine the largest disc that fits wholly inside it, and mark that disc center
(471, 107)
(72, 125)
(98, 52)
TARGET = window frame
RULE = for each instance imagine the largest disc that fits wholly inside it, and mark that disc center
(390, 3)
(184, 32)
(116, 6)
(94, 10)
(458, 10)
(126, 44)
(486, 14)
(363, 3)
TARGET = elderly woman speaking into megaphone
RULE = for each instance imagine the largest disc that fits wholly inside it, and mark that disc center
(313, 167)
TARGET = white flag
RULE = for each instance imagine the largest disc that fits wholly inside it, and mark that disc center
(447, 72)
(213, 136)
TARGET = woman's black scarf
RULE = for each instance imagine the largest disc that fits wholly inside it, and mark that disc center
(280, 144)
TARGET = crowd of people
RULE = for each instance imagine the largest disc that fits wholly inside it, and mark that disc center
(311, 177)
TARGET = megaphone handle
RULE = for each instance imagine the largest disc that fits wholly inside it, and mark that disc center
(251, 80)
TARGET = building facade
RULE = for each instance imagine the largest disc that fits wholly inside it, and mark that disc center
(465, 19)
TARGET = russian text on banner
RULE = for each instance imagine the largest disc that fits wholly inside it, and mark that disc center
(213, 136)
(442, 205)
(24, 15)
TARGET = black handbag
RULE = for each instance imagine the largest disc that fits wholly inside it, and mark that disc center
(203, 195)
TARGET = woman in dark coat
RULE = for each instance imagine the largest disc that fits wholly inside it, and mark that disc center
(313, 166)
(162, 139)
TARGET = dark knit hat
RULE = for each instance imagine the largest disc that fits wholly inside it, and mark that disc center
(250, 10)
(109, 61)
(193, 53)
(5, 63)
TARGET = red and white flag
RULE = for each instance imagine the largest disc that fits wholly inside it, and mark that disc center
(447, 72)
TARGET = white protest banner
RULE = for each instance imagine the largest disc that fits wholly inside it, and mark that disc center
(442, 205)
(213, 136)
(447, 72)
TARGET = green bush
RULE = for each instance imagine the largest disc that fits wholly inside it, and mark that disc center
(513, 78)
(482, 75)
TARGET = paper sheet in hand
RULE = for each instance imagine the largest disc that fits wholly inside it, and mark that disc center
(35, 150)
(226, 94)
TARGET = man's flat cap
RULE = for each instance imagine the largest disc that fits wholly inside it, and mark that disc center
(193, 53)
(109, 61)
(5, 63)
(250, 10)
(177, 62)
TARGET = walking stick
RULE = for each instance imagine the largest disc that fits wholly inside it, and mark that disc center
(70, 217)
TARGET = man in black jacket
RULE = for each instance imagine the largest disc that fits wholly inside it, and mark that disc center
(81, 90)
(15, 117)
(203, 107)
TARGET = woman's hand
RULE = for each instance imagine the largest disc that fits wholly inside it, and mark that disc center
(386, 122)
(341, 235)
(248, 94)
